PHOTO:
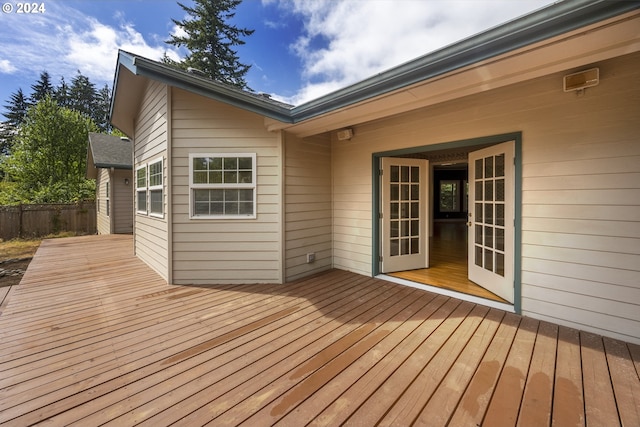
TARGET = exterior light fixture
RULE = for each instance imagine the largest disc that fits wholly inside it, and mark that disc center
(581, 80)
(345, 134)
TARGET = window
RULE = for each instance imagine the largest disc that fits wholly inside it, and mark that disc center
(156, 199)
(449, 196)
(222, 185)
(141, 189)
(107, 198)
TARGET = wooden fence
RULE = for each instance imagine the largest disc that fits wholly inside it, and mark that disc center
(27, 221)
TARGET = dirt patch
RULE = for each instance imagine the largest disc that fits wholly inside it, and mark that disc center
(12, 270)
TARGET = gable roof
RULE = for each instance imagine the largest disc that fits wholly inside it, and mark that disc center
(540, 26)
(108, 151)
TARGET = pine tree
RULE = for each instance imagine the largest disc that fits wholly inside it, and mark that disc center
(61, 94)
(41, 88)
(101, 113)
(16, 113)
(210, 41)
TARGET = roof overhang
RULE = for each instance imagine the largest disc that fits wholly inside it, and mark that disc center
(563, 36)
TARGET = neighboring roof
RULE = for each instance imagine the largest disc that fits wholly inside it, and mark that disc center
(108, 151)
(544, 24)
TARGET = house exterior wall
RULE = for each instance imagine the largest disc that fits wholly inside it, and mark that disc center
(103, 220)
(210, 251)
(120, 218)
(308, 217)
(150, 143)
(580, 190)
(122, 202)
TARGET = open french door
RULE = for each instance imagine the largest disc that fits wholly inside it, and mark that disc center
(491, 219)
(404, 214)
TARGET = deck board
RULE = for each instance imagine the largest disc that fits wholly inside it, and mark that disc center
(93, 336)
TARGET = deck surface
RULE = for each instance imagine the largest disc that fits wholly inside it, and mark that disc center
(92, 336)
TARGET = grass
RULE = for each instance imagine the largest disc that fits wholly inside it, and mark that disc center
(24, 248)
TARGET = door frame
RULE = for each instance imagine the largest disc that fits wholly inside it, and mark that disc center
(465, 143)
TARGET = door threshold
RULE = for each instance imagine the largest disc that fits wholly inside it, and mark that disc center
(442, 291)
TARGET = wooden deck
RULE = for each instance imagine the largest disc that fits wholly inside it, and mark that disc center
(92, 336)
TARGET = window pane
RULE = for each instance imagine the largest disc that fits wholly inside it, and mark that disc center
(488, 190)
(415, 174)
(395, 174)
(245, 177)
(245, 163)
(155, 203)
(500, 189)
(230, 177)
(199, 177)
(479, 169)
(215, 163)
(199, 163)
(215, 177)
(155, 174)
(142, 201)
(500, 264)
(141, 178)
(246, 208)
(230, 163)
(488, 259)
(231, 195)
(394, 192)
(404, 174)
(246, 195)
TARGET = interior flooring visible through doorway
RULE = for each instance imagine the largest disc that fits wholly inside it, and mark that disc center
(448, 262)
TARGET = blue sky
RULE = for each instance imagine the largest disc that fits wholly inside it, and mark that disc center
(301, 49)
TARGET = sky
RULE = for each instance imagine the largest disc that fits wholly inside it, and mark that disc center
(300, 50)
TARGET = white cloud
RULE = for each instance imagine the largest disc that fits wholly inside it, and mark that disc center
(64, 40)
(350, 40)
(6, 67)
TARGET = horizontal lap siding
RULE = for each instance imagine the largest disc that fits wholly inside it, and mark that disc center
(581, 190)
(150, 144)
(581, 209)
(122, 205)
(224, 251)
(307, 205)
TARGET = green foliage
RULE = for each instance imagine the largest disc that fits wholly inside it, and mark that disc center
(49, 153)
(210, 41)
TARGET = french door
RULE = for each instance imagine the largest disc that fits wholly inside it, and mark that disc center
(491, 219)
(404, 214)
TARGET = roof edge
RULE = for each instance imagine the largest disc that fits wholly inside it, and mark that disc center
(543, 24)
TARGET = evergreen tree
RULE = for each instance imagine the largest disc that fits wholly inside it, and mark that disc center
(101, 113)
(16, 112)
(41, 88)
(210, 41)
(17, 108)
(82, 95)
(61, 94)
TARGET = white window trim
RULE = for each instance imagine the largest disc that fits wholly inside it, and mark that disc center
(151, 188)
(141, 189)
(253, 186)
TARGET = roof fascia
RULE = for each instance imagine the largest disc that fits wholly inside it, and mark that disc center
(205, 87)
(538, 26)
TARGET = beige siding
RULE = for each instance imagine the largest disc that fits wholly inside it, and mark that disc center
(581, 190)
(150, 144)
(104, 221)
(207, 251)
(308, 222)
(122, 204)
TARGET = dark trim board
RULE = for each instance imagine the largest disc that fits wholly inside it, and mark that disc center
(466, 143)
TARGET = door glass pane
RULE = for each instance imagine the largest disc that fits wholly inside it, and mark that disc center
(394, 229)
(499, 165)
(488, 259)
(415, 174)
(395, 192)
(415, 228)
(415, 210)
(500, 264)
(479, 169)
(488, 190)
(478, 234)
(500, 214)
(404, 192)
(500, 189)
(404, 210)
(478, 256)
(479, 215)
(488, 167)
(479, 187)
(404, 173)
(394, 247)
(404, 246)
(488, 213)
(415, 245)
(404, 228)
(488, 237)
(415, 191)
(395, 210)
(395, 174)
(500, 239)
